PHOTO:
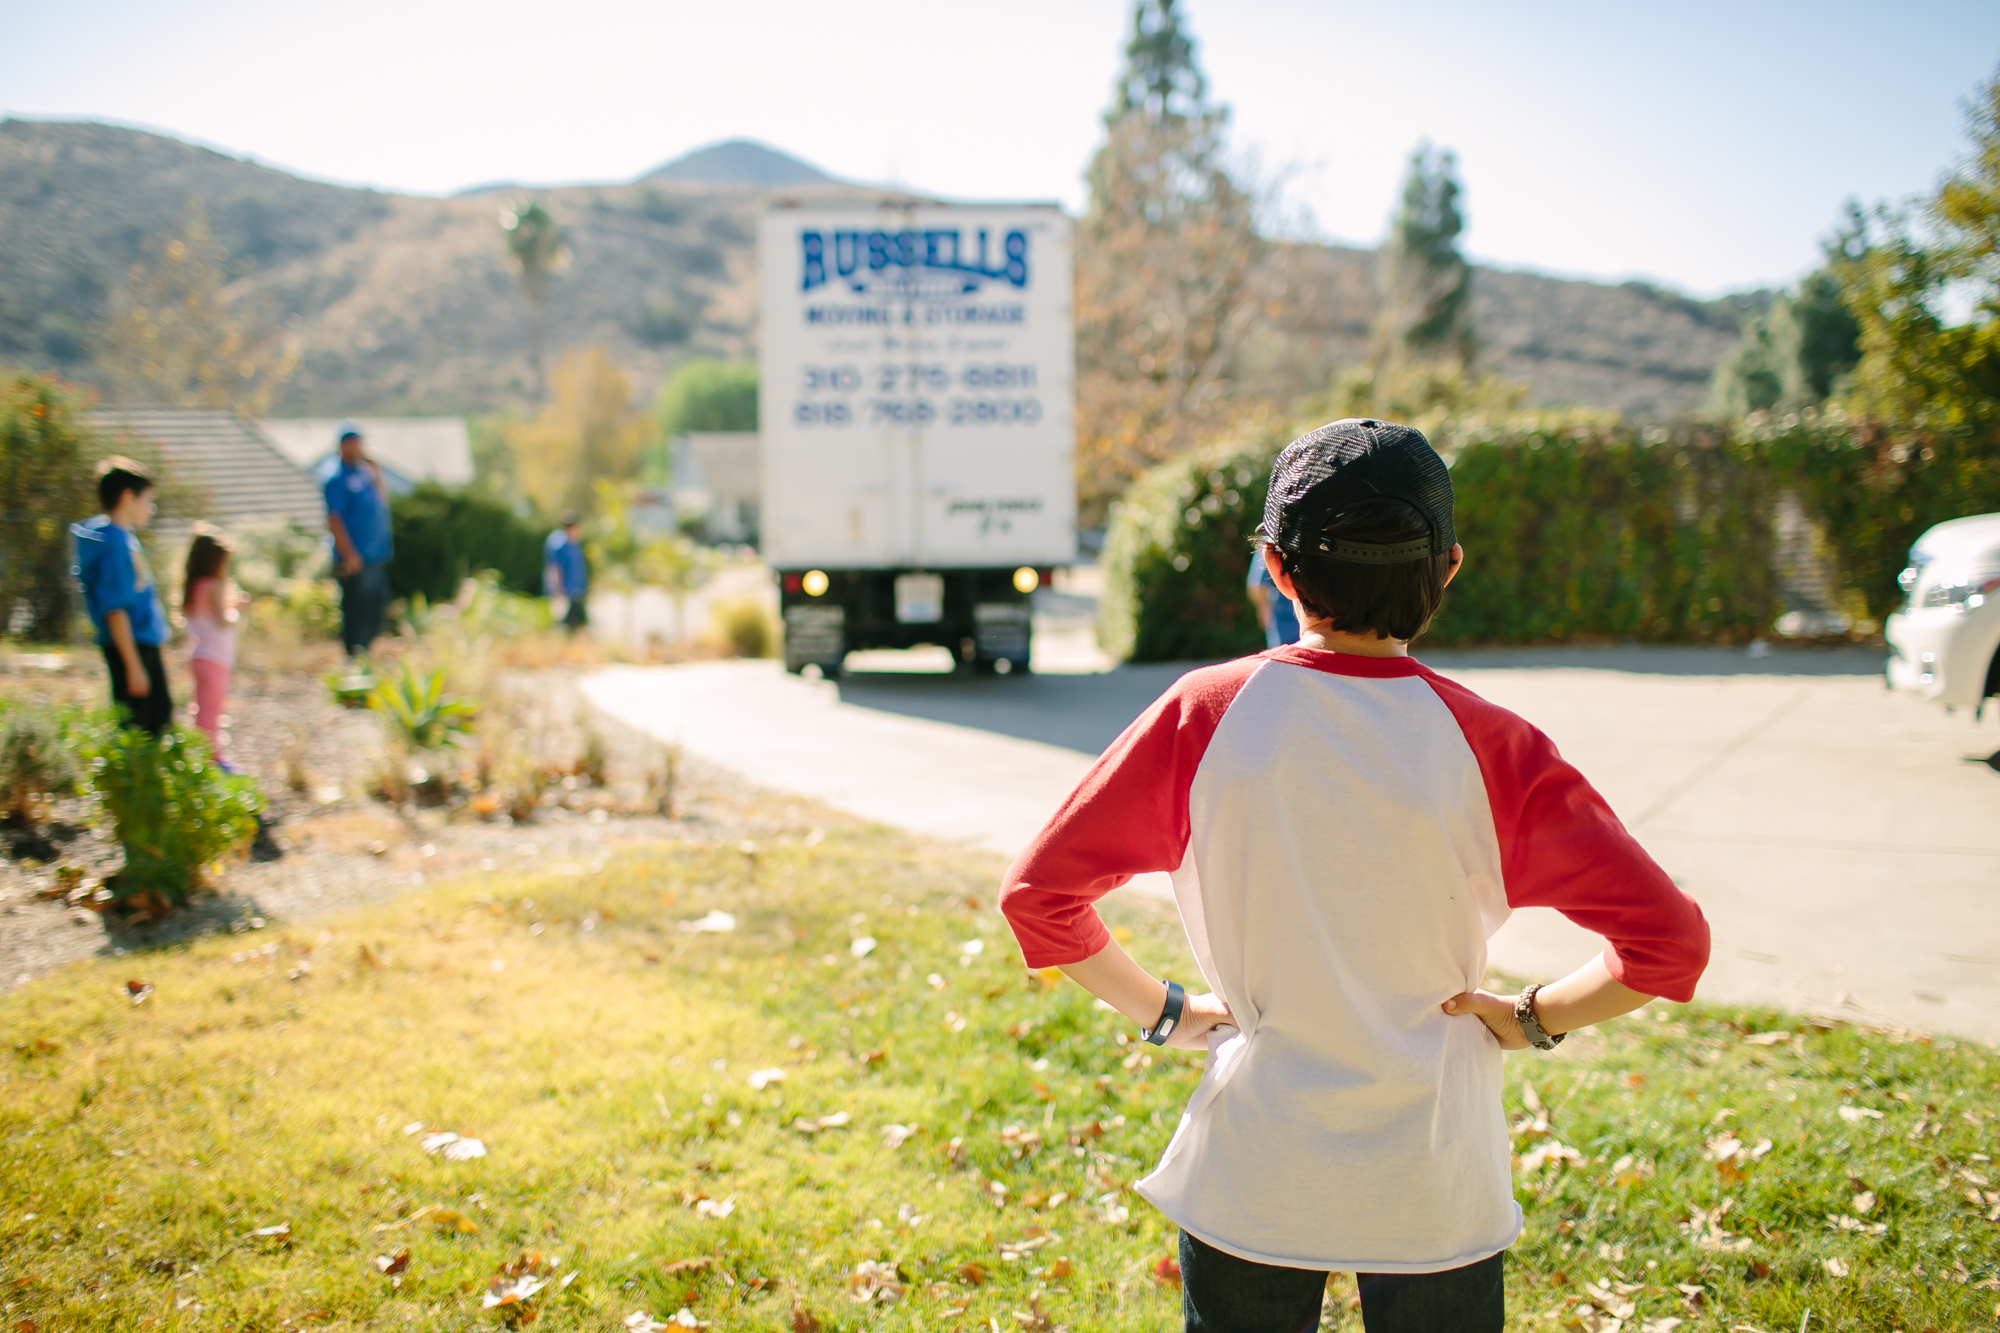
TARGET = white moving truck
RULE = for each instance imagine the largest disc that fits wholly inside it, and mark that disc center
(916, 407)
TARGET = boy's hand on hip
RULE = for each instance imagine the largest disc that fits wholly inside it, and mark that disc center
(1495, 1011)
(1200, 1015)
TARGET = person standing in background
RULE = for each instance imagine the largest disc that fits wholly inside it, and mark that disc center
(357, 514)
(565, 572)
(1276, 615)
(210, 605)
(121, 596)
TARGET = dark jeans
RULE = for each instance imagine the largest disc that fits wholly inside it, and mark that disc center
(364, 595)
(578, 614)
(155, 712)
(1223, 1294)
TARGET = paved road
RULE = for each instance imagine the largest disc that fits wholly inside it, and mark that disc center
(1845, 850)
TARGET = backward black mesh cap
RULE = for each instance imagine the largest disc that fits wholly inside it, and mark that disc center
(1321, 474)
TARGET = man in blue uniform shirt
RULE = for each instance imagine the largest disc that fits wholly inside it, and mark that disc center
(565, 574)
(357, 514)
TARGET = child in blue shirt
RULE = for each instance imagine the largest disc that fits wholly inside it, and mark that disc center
(121, 596)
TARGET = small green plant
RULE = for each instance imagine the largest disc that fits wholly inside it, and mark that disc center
(419, 712)
(351, 686)
(35, 763)
(745, 627)
(175, 811)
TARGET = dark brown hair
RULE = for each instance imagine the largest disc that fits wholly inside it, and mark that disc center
(208, 555)
(1390, 601)
(117, 475)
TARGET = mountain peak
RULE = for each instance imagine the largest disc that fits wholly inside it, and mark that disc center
(739, 162)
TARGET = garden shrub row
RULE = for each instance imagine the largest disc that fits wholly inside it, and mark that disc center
(1574, 531)
(444, 537)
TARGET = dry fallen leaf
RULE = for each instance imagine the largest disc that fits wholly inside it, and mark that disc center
(446, 1219)
(390, 1265)
(700, 1263)
(718, 1211)
(281, 1233)
(1864, 1202)
(882, 1283)
(803, 1320)
(1060, 1268)
(764, 1078)
(1167, 1272)
(1854, 1115)
(833, 1121)
(138, 990)
(1836, 1267)
(1767, 1038)
(862, 946)
(715, 922)
(895, 1136)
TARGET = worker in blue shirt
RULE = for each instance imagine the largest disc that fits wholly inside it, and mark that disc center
(1276, 615)
(357, 514)
(121, 596)
(565, 573)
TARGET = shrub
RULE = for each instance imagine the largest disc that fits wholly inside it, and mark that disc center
(1574, 530)
(175, 812)
(45, 463)
(444, 537)
(35, 763)
(745, 627)
(419, 712)
(1177, 553)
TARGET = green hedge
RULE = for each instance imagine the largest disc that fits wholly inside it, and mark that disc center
(1573, 532)
(444, 537)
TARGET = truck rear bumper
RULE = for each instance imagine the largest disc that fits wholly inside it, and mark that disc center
(984, 619)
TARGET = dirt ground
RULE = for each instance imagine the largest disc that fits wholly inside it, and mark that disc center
(331, 845)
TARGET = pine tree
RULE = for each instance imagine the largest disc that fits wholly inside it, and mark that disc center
(1793, 352)
(1164, 265)
(535, 243)
(1426, 285)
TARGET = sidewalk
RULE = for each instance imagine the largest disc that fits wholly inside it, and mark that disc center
(1847, 856)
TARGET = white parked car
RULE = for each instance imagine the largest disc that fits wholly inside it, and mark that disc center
(1944, 644)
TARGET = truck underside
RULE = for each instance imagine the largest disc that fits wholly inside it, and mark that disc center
(980, 615)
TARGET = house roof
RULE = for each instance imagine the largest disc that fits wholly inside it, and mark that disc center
(417, 448)
(244, 480)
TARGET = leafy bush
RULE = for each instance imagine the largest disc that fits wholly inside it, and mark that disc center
(444, 537)
(35, 763)
(1575, 530)
(176, 813)
(419, 712)
(745, 627)
(1177, 553)
(45, 463)
(1608, 535)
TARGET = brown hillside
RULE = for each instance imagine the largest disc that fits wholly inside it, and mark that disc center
(403, 303)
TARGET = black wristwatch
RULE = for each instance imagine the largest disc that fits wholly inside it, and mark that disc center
(1170, 1016)
(1531, 1027)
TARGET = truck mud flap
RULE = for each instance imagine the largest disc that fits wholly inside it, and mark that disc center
(815, 635)
(1001, 631)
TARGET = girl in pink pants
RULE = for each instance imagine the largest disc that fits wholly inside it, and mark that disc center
(210, 604)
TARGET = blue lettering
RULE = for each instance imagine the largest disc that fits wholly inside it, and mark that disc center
(940, 251)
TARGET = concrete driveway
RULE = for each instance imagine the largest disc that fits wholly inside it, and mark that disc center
(1844, 847)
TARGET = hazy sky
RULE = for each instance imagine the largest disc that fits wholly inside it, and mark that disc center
(1704, 145)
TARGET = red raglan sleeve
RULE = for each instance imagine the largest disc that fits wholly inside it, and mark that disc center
(1128, 816)
(1562, 847)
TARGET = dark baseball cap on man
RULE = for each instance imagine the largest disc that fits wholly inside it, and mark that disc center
(1320, 476)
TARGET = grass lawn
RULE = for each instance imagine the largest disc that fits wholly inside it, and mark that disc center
(855, 1110)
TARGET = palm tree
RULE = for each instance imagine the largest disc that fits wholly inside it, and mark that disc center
(535, 241)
